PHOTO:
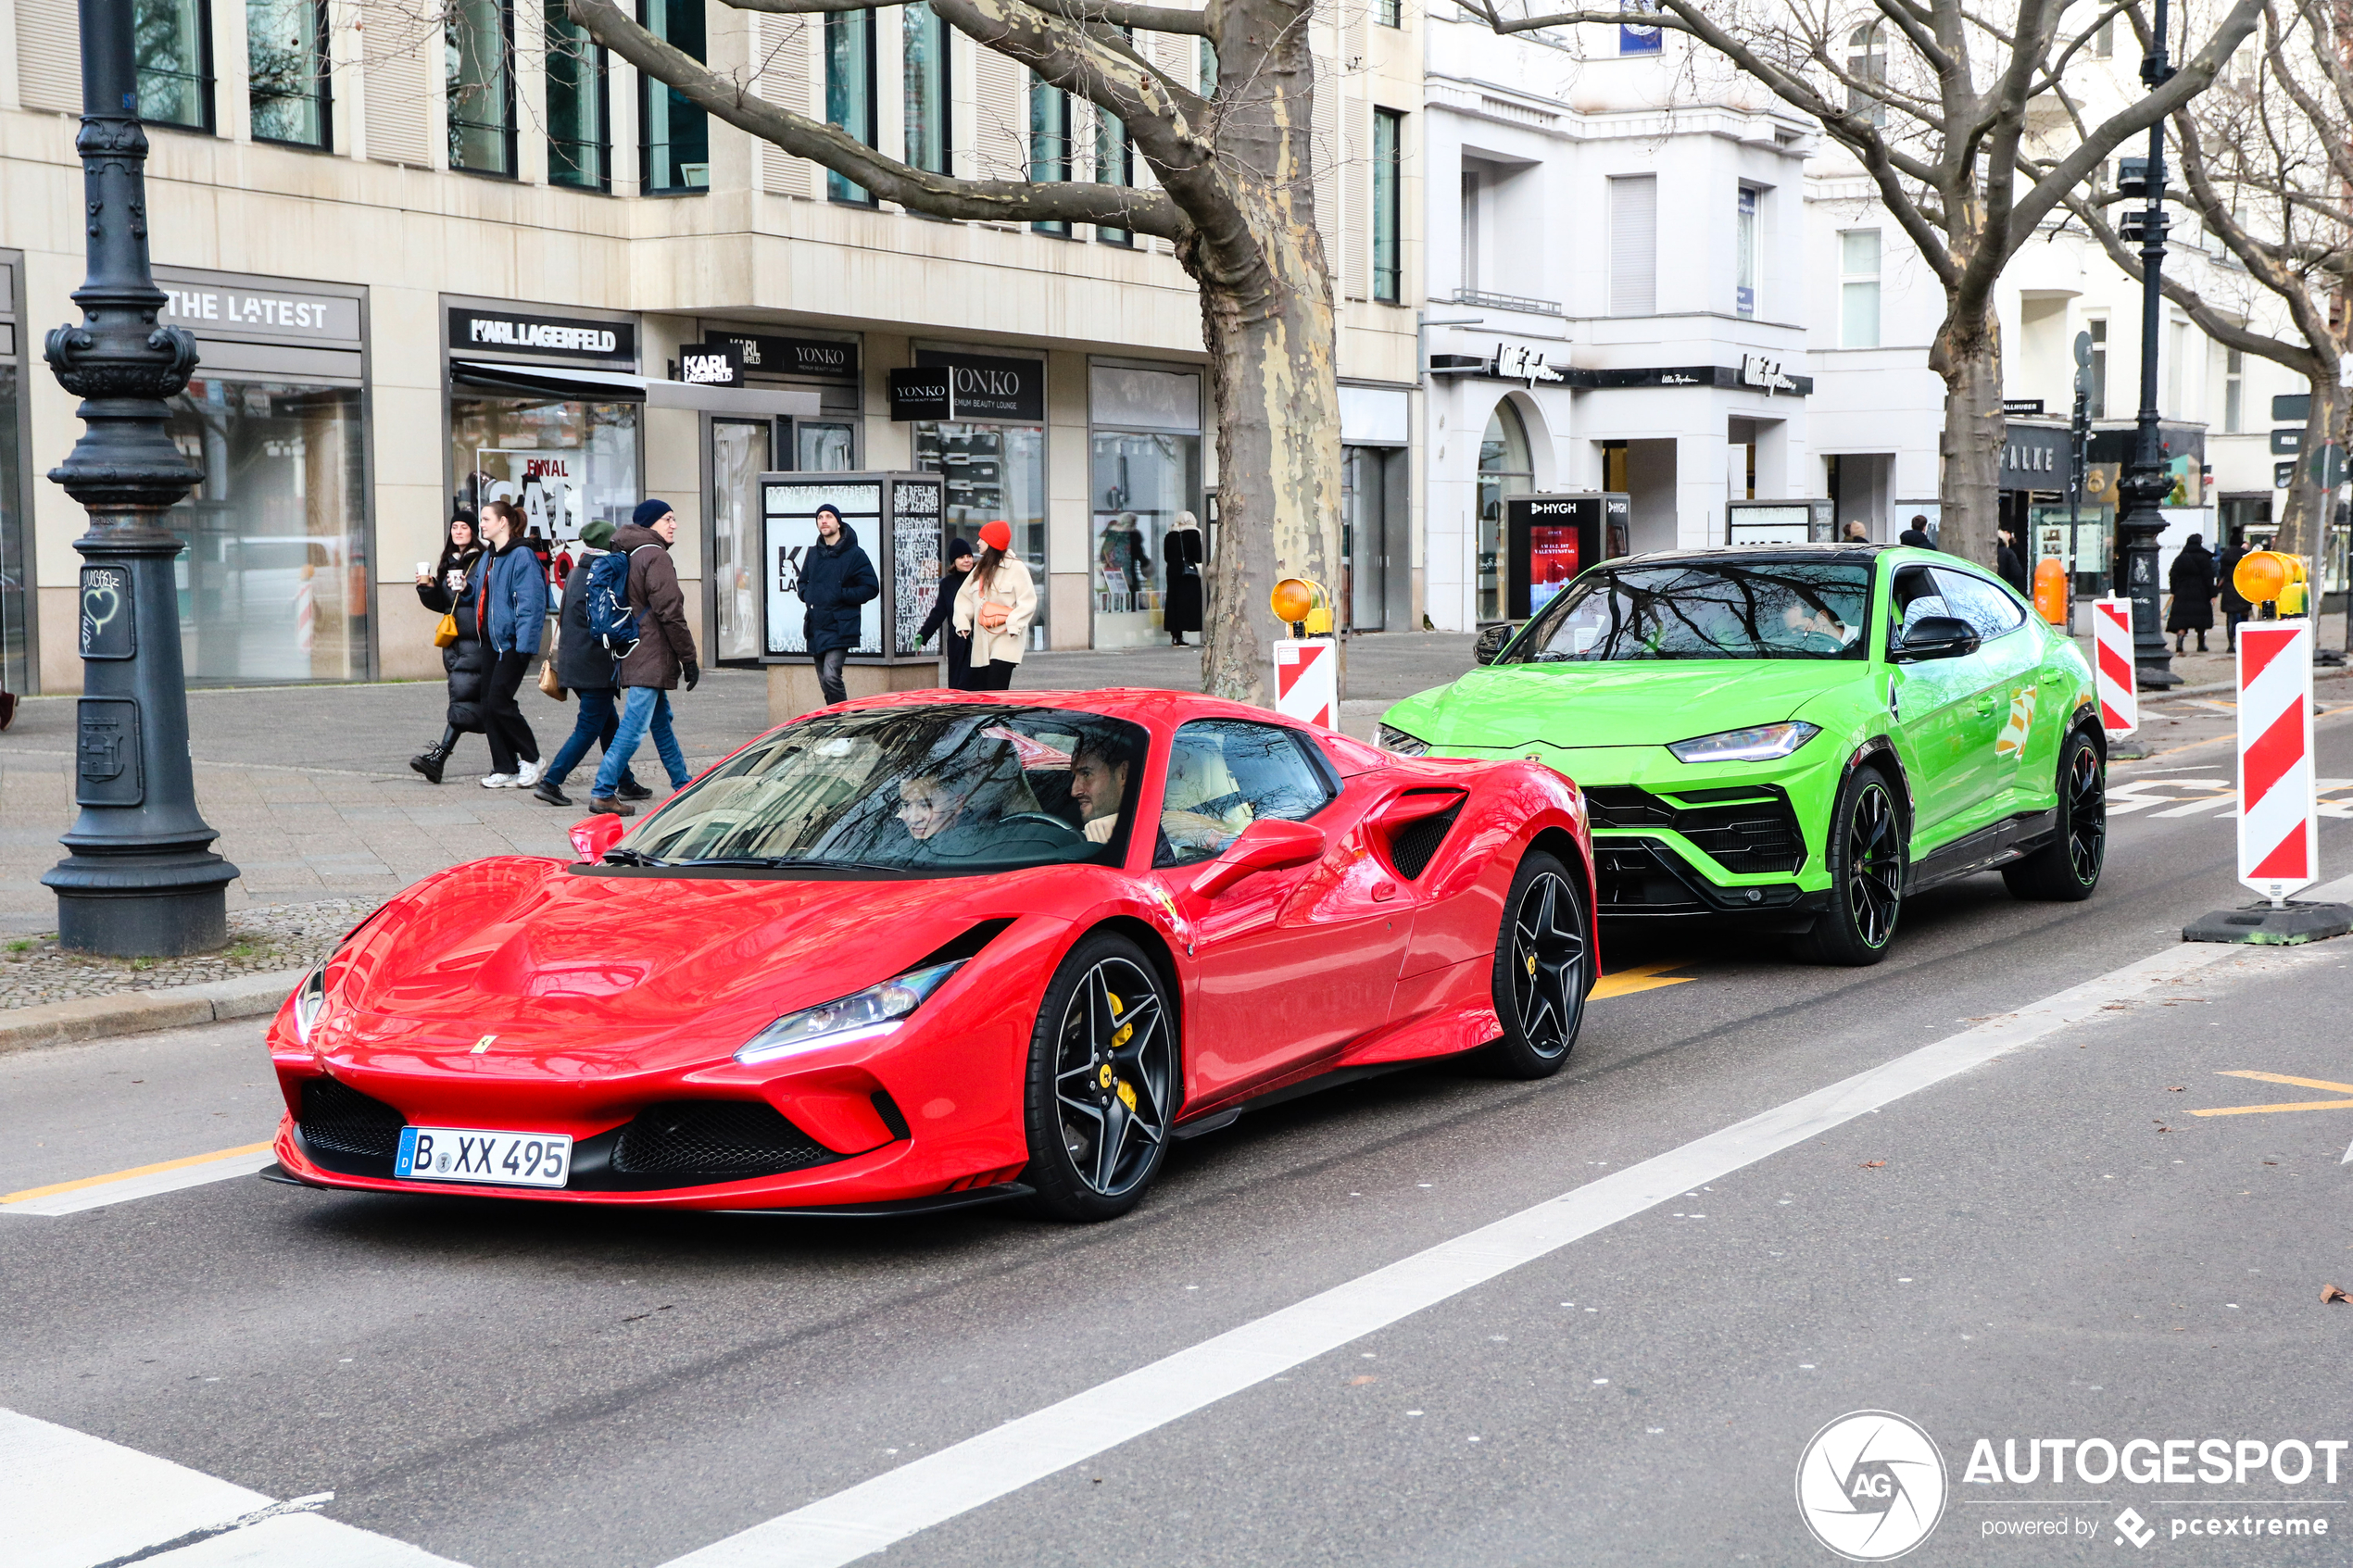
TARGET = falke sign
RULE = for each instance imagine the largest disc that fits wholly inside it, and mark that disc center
(572, 339)
(2034, 458)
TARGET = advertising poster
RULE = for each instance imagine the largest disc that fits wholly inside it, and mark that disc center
(547, 484)
(1552, 563)
(917, 544)
(789, 509)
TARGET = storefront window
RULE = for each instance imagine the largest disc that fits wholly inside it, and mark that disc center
(994, 472)
(273, 582)
(1505, 469)
(565, 464)
(824, 447)
(1145, 468)
(16, 672)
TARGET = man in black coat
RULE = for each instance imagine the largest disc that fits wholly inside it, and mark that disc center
(1916, 535)
(2234, 606)
(836, 578)
(2008, 566)
(589, 671)
(2191, 580)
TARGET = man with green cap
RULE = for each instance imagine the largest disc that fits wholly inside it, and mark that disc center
(583, 665)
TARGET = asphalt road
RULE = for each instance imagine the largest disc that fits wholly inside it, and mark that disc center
(2047, 1243)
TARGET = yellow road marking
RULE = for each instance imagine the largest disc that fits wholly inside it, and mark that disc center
(1640, 977)
(2281, 1078)
(135, 1171)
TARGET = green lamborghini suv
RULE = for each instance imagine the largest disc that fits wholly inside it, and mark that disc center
(1800, 735)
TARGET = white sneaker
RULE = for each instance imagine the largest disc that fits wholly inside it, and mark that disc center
(528, 774)
(500, 781)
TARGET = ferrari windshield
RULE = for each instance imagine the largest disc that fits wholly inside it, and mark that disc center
(1731, 609)
(928, 791)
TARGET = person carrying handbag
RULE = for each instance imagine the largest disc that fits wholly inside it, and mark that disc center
(465, 662)
(995, 609)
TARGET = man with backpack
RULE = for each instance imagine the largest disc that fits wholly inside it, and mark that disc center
(660, 659)
(589, 668)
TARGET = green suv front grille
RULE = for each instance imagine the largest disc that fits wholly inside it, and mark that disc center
(1747, 830)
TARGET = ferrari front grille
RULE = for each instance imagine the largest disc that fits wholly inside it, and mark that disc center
(714, 1140)
(337, 1119)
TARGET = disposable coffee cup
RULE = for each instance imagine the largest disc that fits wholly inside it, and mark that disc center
(425, 568)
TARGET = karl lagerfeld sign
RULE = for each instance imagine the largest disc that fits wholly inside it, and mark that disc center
(569, 338)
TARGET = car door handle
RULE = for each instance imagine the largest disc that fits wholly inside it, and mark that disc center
(1383, 892)
(1985, 705)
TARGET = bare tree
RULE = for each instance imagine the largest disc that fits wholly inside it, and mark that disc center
(1233, 191)
(1932, 99)
(2267, 156)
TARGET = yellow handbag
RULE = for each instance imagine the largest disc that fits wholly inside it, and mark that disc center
(447, 632)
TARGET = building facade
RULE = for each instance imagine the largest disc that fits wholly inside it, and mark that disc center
(433, 265)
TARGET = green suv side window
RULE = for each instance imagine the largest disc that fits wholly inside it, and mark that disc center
(1990, 611)
(1917, 596)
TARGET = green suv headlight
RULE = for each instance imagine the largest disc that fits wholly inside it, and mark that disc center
(1761, 742)
(1391, 738)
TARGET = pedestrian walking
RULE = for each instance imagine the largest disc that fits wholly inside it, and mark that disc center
(1917, 534)
(836, 578)
(2191, 582)
(662, 660)
(1180, 558)
(2234, 606)
(2008, 565)
(448, 588)
(510, 614)
(589, 668)
(994, 609)
(958, 646)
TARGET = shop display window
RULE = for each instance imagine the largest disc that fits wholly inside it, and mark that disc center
(1505, 469)
(993, 471)
(565, 464)
(1140, 483)
(273, 581)
(16, 541)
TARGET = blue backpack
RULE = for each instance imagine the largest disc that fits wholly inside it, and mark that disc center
(611, 621)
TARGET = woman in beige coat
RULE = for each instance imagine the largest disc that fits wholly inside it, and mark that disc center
(994, 607)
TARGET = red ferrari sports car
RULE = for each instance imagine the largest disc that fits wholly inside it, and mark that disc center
(940, 948)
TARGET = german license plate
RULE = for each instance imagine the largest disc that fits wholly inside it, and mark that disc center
(467, 1154)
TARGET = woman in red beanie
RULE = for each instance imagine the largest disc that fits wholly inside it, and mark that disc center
(995, 607)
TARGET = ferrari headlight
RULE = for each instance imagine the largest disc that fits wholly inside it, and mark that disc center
(1761, 744)
(310, 1002)
(862, 1015)
(1393, 739)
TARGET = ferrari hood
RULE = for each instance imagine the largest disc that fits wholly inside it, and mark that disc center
(1634, 703)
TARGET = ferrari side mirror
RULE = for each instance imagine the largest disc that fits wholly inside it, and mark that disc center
(1489, 643)
(1269, 844)
(1936, 636)
(592, 837)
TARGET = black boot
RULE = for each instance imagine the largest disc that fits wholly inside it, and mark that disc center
(430, 761)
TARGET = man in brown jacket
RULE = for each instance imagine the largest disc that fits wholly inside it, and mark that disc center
(663, 658)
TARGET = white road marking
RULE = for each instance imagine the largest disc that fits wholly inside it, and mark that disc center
(890, 1506)
(72, 1197)
(69, 1501)
(2218, 802)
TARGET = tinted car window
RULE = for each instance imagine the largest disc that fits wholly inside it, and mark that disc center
(1917, 596)
(1225, 774)
(1732, 609)
(1990, 611)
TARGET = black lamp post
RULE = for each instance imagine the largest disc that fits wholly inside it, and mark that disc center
(2145, 482)
(140, 879)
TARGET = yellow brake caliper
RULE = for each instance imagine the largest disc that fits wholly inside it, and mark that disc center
(1127, 1031)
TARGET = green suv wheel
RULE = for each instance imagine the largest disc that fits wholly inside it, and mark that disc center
(1868, 851)
(2067, 869)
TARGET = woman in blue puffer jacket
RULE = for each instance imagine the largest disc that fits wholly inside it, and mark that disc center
(510, 607)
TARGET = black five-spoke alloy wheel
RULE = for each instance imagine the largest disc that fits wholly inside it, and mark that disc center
(1868, 851)
(1102, 1082)
(2067, 869)
(1543, 968)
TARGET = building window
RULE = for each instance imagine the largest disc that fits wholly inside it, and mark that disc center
(674, 155)
(173, 44)
(924, 64)
(478, 65)
(579, 117)
(2103, 40)
(1208, 63)
(849, 89)
(1867, 62)
(1633, 246)
(1634, 38)
(2097, 327)
(1049, 143)
(1744, 265)
(1858, 265)
(2177, 351)
(1505, 469)
(1389, 13)
(1470, 230)
(1114, 165)
(286, 71)
(2234, 392)
(1389, 156)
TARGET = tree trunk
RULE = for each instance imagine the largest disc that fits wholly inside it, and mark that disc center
(1969, 356)
(2304, 524)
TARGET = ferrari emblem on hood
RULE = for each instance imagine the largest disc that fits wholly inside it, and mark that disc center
(481, 1045)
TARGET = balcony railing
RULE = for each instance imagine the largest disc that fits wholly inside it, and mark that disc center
(1506, 302)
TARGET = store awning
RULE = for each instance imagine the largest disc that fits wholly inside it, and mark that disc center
(618, 386)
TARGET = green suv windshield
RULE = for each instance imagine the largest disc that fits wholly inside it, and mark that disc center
(1704, 609)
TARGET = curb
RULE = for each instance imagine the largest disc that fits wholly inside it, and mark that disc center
(136, 1013)
(2322, 672)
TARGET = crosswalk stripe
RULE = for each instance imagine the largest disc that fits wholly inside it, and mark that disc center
(71, 1500)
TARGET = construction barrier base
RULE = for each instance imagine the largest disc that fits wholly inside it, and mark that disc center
(2266, 926)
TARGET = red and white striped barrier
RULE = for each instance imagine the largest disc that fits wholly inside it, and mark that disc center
(2278, 829)
(1307, 680)
(2112, 666)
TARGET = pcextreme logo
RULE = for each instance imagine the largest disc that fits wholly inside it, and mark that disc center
(1871, 1486)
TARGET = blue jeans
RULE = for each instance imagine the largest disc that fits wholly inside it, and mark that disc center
(599, 717)
(642, 708)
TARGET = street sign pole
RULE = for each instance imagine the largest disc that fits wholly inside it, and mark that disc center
(140, 878)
